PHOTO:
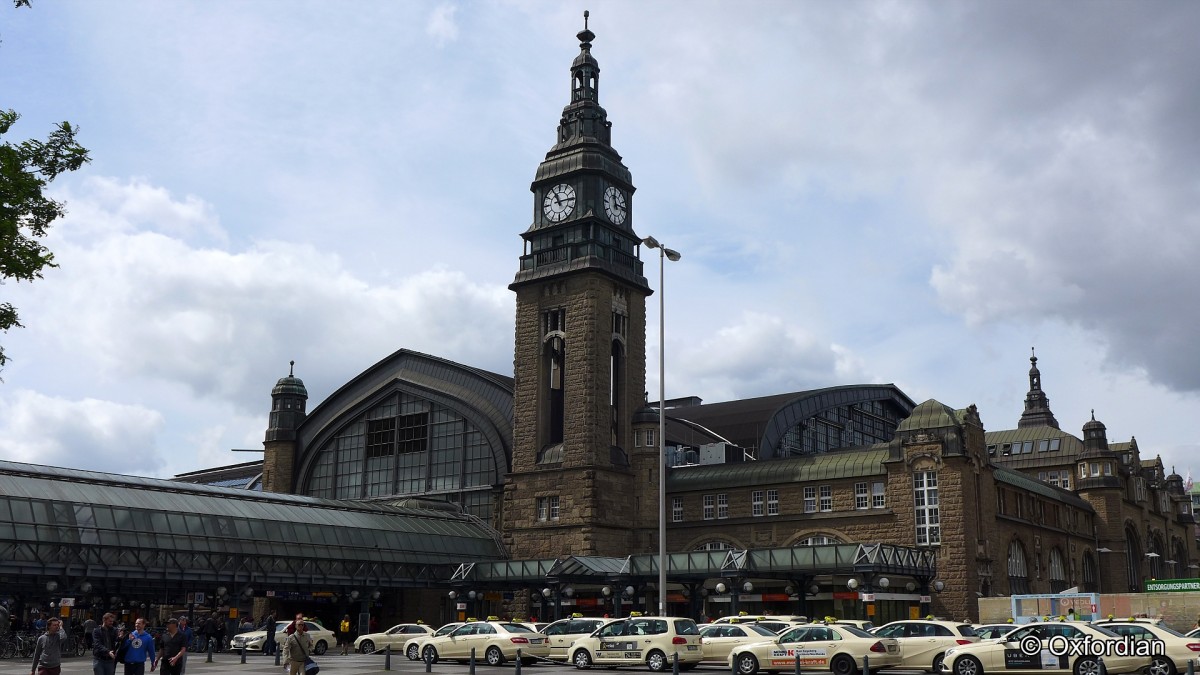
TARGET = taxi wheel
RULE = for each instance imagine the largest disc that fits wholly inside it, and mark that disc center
(366, 647)
(746, 664)
(493, 656)
(413, 653)
(581, 659)
(1087, 666)
(937, 663)
(968, 665)
(657, 661)
(843, 665)
(1161, 665)
(430, 654)
(320, 648)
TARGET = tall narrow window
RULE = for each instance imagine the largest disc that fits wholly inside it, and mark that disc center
(1018, 570)
(756, 503)
(1058, 571)
(554, 325)
(722, 506)
(862, 499)
(810, 500)
(616, 387)
(878, 496)
(926, 511)
(826, 498)
(709, 507)
(677, 509)
(772, 502)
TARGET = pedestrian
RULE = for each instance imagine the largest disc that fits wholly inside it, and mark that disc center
(296, 648)
(139, 648)
(47, 654)
(291, 629)
(269, 646)
(185, 628)
(105, 642)
(174, 649)
(344, 634)
(88, 627)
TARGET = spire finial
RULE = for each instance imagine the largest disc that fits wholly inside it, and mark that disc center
(292, 368)
(1093, 414)
(586, 14)
(1033, 355)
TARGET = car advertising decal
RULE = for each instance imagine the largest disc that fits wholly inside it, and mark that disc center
(1015, 659)
(809, 656)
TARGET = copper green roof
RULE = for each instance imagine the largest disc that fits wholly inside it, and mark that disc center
(1031, 434)
(930, 415)
(849, 463)
(1024, 482)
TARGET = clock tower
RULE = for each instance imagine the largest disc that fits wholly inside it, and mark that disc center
(580, 352)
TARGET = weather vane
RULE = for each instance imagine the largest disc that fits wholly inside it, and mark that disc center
(586, 14)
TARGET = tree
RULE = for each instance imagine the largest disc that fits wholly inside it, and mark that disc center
(26, 168)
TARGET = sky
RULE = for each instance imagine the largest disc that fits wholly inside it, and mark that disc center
(907, 192)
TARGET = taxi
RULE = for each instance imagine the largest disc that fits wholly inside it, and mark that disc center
(253, 641)
(496, 641)
(744, 616)
(564, 632)
(1177, 650)
(838, 648)
(717, 640)
(412, 646)
(1007, 654)
(991, 631)
(923, 642)
(394, 637)
(649, 640)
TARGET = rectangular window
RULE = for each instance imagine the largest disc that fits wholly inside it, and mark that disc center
(1054, 444)
(861, 498)
(926, 509)
(810, 500)
(637, 439)
(722, 506)
(878, 497)
(826, 498)
(772, 502)
(709, 507)
(1066, 480)
(1043, 476)
(547, 508)
(1043, 445)
(1053, 478)
(677, 509)
(756, 503)
(650, 439)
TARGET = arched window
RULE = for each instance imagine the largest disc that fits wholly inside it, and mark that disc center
(714, 546)
(1090, 577)
(1157, 557)
(1133, 560)
(1180, 569)
(1058, 572)
(1018, 570)
(818, 540)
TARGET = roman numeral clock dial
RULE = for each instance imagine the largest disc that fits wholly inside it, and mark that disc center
(559, 203)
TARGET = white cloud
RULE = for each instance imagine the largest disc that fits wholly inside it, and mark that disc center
(85, 434)
(441, 26)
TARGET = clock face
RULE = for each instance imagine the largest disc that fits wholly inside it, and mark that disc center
(559, 202)
(614, 205)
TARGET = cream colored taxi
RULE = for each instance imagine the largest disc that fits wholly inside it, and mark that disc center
(495, 642)
(650, 640)
(394, 637)
(834, 647)
(717, 640)
(564, 632)
(1049, 648)
(1177, 649)
(923, 642)
(412, 647)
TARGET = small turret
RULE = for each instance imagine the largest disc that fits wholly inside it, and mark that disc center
(288, 401)
(1037, 406)
(1097, 466)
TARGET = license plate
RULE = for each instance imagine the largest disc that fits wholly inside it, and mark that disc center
(692, 648)
(535, 641)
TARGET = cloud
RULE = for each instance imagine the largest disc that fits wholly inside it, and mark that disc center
(85, 434)
(441, 26)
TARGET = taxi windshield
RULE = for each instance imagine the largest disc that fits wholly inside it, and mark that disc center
(1105, 631)
(762, 631)
(517, 628)
(856, 632)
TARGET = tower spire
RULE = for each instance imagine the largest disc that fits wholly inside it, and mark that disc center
(1037, 407)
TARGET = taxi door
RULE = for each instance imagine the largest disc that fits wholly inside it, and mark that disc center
(613, 646)
(458, 644)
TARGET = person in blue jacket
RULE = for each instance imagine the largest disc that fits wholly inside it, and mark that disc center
(139, 648)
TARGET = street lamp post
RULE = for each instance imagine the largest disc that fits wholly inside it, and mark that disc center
(664, 254)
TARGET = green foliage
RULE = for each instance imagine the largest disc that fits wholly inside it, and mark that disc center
(26, 168)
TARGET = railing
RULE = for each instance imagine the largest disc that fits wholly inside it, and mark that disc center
(567, 252)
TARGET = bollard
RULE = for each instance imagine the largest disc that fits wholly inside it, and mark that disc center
(733, 664)
(387, 657)
(471, 663)
(278, 654)
(798, 662)
(675, 663)
(1191, 667)
(210, 646)
(1103, 668)
(428, 661)
(242, 649)
(518, 667)
(867, 665)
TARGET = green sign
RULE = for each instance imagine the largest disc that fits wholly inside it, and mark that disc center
(1170, 585)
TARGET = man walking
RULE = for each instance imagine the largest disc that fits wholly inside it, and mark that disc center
(296, 649)
(139, 649)
(344, 634)
(269, 646)
(105, 641)
(174, 648)
(47, 654)
(185, 629)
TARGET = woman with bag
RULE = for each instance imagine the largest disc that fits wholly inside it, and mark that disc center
(296, 648)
